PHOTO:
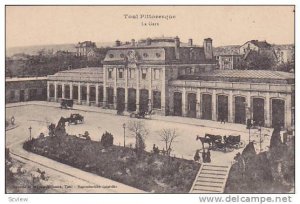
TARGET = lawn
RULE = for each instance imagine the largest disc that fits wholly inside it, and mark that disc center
(146, 171)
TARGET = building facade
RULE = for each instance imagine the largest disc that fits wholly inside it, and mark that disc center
(178, 79)
(228, 61)
(25, 89)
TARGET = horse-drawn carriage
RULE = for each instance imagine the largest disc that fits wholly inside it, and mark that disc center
(66, 103)
(141, 114)
(75, 118)
(219, 143)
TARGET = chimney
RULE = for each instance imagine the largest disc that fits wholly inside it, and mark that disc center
(190, 43)
(148, 41)
(208, 51)
(177, 45)
(118, 43)
(132, 42)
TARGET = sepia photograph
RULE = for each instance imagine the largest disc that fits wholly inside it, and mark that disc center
(115, 99)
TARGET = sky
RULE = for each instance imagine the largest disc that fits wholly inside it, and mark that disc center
(226, 25)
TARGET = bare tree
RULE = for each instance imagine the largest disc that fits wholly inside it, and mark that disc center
(168, 136)
(140, 132)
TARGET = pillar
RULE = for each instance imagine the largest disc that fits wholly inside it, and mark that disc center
(230, 107)
(267, 110)
(183, 102)
(79, 93)
(248, 106)
(71, 90)
(115, 88)
(104, 86)
(137, 88)
(214, 105)
(198, 109)
(55, 91)
(164, 97)
(288, 111)
(126, 87)
(150, 85)
(48, 91)
(62, 90)
(88, 94)
(97, 94)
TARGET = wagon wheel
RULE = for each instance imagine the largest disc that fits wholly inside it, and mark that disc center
(242, 144)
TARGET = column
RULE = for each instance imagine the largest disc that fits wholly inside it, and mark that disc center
(115, 88)
(48, 91)
(267, 110)
(79, 93)
(288, 111)
(198, 109)
(104, 86)
(55, 91)
(163, 91)
(88, 94)
(71, 90)
(62, 90)
(126, 86)
(138, 88)
(248, 106)
(214, 105)
(97, 95)
(150, 85)
(183, 102)
(230, 107)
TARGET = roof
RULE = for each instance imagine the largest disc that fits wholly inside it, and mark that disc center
(260, 44)
(15, 79)
(259, 76)
(89, 74)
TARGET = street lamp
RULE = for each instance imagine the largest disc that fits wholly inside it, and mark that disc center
(124, 127)
(30, 128)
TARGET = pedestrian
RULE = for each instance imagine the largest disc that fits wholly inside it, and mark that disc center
(197, 157)
(208, 160)
(204, 156)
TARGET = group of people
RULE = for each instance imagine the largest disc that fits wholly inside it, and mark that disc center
(205, 156)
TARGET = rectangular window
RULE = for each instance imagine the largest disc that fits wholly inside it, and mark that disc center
(121, 73)
(157, 99)
(12, 94)
(156, 73)
(131, 73)
(144, 73)
(110, 73)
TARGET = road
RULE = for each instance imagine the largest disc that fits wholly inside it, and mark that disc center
(96, 123)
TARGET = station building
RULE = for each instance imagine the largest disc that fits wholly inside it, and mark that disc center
(178, 79)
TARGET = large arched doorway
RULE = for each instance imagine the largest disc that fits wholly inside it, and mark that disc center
(192, 102)
(131, 99)
(258, 111)
(206, 107)
(121, 99)
(144, 96)
(222, 108)
(278, 114)
(178, 104)
(110, 95)
(240, 110)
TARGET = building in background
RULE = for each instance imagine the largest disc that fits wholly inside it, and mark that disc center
(85, 49)
(25, 89)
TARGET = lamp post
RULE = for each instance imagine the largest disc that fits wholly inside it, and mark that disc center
(124, 127)
(260, 141)
(30, 128)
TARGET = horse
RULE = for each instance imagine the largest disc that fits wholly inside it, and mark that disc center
(204, 140)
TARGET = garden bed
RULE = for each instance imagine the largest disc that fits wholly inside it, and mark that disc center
(146, 171)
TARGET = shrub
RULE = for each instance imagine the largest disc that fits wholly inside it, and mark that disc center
(107, 139)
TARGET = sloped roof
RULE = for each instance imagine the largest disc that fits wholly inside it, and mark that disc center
(89, 74)
(259, 76)
(260, 44)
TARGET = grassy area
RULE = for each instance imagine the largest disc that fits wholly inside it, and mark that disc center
(148, 172)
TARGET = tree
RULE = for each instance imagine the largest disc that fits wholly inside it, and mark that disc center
(168, 136)
(140, 132)
(257, 61)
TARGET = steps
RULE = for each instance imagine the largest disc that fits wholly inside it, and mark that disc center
(210, 179)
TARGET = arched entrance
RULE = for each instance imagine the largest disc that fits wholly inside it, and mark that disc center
(222, 108)
(258, 111)
(278, 114)
(144, 95)
(131, 99)
(192, 101)
(120, 99)
(240, 110)
(177, 104)
(206, 107)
